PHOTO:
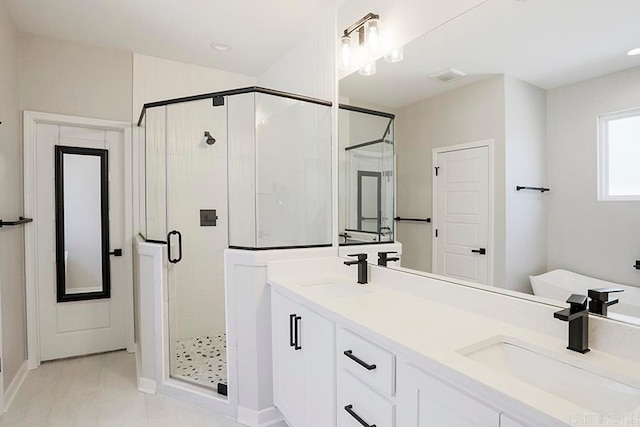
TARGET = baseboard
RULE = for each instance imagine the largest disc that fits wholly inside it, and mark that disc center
(263, 418)
(15, 385)
(147, 386)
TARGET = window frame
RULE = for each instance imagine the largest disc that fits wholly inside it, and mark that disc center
(603, 155)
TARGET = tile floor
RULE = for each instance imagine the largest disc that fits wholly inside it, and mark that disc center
(99, 391)
(202, 360)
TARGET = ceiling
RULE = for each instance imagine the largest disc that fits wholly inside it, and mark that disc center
(259, 31)
(548, 43)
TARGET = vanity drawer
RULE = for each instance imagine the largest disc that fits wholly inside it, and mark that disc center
(359, 404)
(371, 363)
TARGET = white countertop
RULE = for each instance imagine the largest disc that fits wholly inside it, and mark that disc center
(434, 333)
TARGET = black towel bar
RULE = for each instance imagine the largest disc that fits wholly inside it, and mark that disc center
(540, 189)
(20, 221)
(413, 219)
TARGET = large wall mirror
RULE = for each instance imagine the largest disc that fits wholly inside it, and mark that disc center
(82, 223)
(517, 134)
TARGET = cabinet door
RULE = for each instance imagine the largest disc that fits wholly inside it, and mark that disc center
(424, 401)
(288, 360)
(318, 346)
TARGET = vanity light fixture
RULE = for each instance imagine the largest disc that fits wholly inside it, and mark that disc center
(396, 55)
(345, 51)
(372, 38)
(368, 29)
(634, 52)
(369, 69)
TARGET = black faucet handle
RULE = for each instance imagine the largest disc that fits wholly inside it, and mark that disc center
(577, 302)
(361, 257)
(602, 294)
(387, 252)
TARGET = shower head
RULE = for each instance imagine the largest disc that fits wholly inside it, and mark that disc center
(208, 138)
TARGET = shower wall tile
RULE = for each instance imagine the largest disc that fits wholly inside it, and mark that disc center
(156, 79)
(308, 68)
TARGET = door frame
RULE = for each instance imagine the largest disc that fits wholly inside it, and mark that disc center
(30, 122)
(370, 174)
(489, 143)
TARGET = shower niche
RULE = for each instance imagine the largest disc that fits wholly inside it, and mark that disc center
(263, 183)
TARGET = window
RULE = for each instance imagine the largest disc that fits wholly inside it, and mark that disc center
(619, 156)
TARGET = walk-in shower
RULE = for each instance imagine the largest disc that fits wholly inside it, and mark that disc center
(259, 178)
(366, 176)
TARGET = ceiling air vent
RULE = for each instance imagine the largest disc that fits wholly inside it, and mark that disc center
(448, 76)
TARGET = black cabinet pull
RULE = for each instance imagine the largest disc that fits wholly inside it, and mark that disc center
(637, 265)
(359, 361)
(296, 333)
(358, 418)
(116, 252)
(481, 251)
(292, 319)
(171, 259)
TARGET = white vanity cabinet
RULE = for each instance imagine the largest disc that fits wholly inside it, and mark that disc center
(425, 401)
(303, 364)
(366, 382)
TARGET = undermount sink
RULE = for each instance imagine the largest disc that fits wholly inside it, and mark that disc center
(584, 385)
(338, 289)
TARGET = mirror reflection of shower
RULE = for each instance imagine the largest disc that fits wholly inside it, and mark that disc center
(367, 181)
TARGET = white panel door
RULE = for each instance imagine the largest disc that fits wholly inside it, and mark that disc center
(462, 214)
(76, 328)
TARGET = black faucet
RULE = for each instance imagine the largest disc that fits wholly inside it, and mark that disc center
(578, 317)
(362, 267)
(600, 300)
(383, 258)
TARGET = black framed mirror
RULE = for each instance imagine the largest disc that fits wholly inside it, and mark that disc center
(82, 223)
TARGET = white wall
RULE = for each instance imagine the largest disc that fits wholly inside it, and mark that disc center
(12, 279)
(472, 113)
(598, 239)
(308, 67)
(74, 79)
(526, 165)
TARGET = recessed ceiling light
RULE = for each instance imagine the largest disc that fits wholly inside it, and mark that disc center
(222, 47)
(634, 52)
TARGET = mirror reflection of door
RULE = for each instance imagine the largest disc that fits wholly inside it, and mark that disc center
(369, 201)
(82, 223)
(461, 207)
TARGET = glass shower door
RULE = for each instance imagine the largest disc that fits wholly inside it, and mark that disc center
(196, 165)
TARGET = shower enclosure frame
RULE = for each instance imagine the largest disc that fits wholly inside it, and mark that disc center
(218, 99)
(165, 383)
